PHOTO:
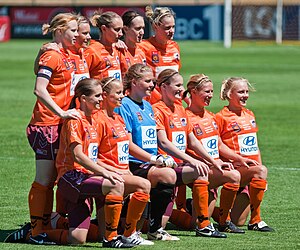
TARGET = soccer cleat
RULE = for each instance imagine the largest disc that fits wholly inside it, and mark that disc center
(137, 239)
(260, 226)
(229, 227)
(209, 231)
(118, 242)
(19, 235)
(40, 239)
(161, 234)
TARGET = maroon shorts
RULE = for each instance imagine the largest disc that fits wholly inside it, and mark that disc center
(44, 140)
(78, 190)
(140, 169)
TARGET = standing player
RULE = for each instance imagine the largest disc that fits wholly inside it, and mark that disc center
(238, 130)
(53, 90)
(113, 154)
(143, 160)
(102, 57)
(133, 30)
(160, 49)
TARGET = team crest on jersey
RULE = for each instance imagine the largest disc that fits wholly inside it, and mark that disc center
(88, 136)
(215, 125)
(139, 115)
(127, 61)
(183, 122)
(107, 62)
(253, 123)
(151, 116)
(74, 64)
(235, 127)
(171, 124)
(144, 61)
(198, 130)
(176, 56)
(65, 61)
(118, 59)
(114, 133)
(155, 57)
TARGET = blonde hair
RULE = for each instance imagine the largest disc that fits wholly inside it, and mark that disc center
(228, 85)
(60, 21)
(106, 18)
(158, 13)
(135, 71)
(195, 82)
(165, 76)
(82, 19)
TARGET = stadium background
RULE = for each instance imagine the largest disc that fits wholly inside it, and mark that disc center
(273, 68)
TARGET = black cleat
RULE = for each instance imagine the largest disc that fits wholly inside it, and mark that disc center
(260, 226)
(19, 236)
(40, 239)
(209, 231)
(118, 242)
(229, 227)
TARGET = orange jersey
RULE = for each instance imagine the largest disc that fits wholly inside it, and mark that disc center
(206, 131)
(114, 143)
(101, 63)
(83, 132)
(239, 132)
(160, 57)
(175, 122)
(127, 59)
(59, 69)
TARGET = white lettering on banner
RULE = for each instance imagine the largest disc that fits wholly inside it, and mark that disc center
(23, 16)
(211, 146)
(3, 29)
(123, 152)
(75, 79)
(248, 144)
(179, 140)
(213, 15)
(93, 151)
(149, 137)
(259, 22)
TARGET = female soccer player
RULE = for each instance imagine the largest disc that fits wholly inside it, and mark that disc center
(200, 89)
(53, 89)
(175, 134)
(238, 130)
(133, 30)
(143, 159)
(102, 57)
(113, 154)
(80, 178)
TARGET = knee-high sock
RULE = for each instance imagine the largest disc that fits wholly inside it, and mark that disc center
(227, 198)
(160, 197)
(112, 208)
(37, 201)
(256, 191)
(181, 198)
(200, 198)
(181, 219)
(136, 207)
(48, 208)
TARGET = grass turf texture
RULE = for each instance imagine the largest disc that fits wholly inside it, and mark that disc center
(276, 103)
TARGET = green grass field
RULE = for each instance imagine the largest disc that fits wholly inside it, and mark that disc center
(275, 70)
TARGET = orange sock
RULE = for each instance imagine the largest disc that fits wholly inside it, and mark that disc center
(181, 198)
(216, 214)
(200, 198)
(136, 207)
(37, 202)
(112, 208)
(48, 208)
(227, 198)
(256, 192)
(59, 236)
(181, 219)
(93, 233)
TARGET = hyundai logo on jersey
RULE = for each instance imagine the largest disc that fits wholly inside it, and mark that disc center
(151, 133)
(212, 144)
(117, 75)
(180, 139)
(125, 148)
(249, 141)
